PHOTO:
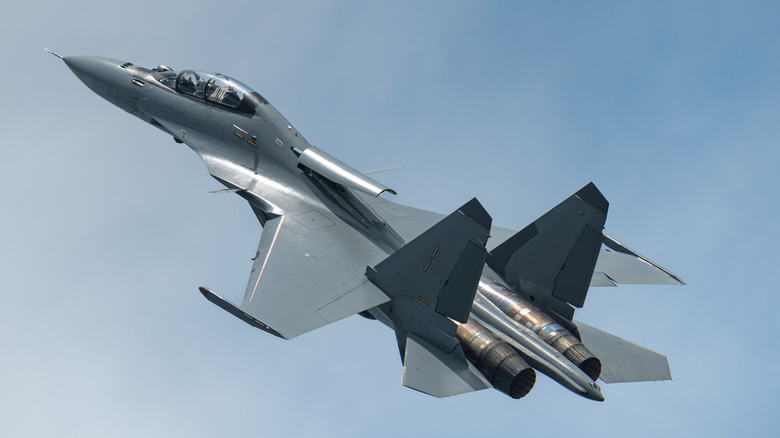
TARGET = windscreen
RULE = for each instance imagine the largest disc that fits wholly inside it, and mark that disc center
(213, 87)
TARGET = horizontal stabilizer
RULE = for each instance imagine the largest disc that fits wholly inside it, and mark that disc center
(619, 264)
(621, 360)
(429, 370)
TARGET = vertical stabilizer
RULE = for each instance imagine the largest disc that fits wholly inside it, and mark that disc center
(432, 281)
(551, 261)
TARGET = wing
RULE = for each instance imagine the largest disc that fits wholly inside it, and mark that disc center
(309, 269)
(296, 284)
(618, 264)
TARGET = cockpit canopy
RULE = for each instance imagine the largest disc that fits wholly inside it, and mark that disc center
(213, 87)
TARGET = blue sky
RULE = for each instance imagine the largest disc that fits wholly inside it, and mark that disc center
(670, 108)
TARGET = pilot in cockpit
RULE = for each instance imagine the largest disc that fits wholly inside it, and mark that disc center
(220, 90)
(188, 83)
(213, 87)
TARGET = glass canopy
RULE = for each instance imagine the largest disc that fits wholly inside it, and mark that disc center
(213, 87)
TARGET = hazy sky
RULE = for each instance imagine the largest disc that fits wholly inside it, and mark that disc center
(672, 109)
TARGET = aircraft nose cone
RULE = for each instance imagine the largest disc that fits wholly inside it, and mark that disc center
(105, 77)
(90, 69)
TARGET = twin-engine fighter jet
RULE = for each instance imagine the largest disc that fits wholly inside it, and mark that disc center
(472, 306)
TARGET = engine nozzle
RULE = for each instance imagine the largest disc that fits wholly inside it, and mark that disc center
(525, 313)
(496, 360)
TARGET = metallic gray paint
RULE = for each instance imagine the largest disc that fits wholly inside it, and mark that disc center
(330, 248)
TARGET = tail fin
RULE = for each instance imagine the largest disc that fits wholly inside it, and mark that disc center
(551, 261)
(432, 281)
(437, 273)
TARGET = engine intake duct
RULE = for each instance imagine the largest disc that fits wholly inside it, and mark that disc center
(525, 313)
(501, 365)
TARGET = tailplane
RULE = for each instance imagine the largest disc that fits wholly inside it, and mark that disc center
(624, 361)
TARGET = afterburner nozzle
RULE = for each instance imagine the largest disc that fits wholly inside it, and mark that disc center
(496, 360)
(528, 315)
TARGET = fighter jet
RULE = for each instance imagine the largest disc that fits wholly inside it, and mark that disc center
(472, 306)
